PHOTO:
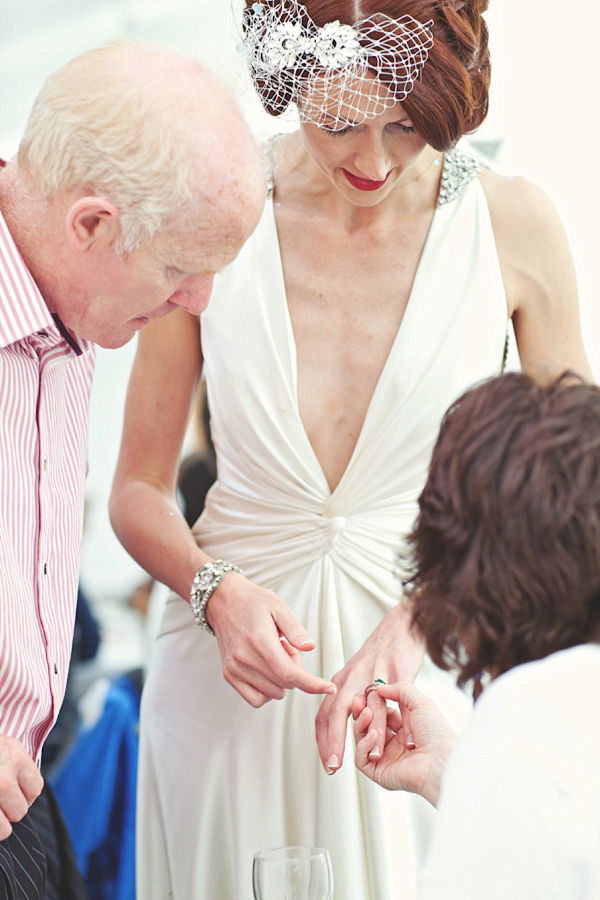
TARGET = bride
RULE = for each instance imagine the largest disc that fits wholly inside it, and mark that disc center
(377, 287)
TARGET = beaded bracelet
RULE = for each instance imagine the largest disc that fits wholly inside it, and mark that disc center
(206, 580)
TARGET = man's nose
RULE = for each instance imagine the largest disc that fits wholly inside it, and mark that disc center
(194, 293)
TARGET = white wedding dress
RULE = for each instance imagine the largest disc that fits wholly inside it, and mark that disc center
(219, 779)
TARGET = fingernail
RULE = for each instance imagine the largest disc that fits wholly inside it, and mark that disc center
(333, 763)
(304, 642)
(375, 751)
(410, 742)
(331, 689)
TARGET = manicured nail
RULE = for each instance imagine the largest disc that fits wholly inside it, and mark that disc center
(333, 763)
(410, 742)
(375, 751)
(331, 689)
(305, 641)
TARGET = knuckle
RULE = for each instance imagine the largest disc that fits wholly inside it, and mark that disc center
(238, 653)
(338, 707)
(321, 718)
(19, 810)
(262, 700)
(6, 784)
(281, 672)
(229, 674)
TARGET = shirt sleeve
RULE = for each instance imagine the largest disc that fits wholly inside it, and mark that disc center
(505, 830)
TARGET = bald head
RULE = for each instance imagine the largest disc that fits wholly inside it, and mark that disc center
(150, 130)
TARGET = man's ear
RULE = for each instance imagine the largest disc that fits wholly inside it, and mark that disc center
(92, 220)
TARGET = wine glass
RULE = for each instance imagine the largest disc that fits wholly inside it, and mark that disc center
(292, 873)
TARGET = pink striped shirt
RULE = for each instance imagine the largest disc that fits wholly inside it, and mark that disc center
(45, 381)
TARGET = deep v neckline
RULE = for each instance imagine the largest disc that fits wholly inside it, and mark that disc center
(398, 342)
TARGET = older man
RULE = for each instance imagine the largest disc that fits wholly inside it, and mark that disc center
(135, 181)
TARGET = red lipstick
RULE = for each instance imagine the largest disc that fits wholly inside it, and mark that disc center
(364, 184)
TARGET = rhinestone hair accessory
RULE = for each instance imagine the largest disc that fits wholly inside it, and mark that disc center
(336, 74)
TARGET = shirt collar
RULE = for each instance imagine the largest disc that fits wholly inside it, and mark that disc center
(22, 307)
(68, 337)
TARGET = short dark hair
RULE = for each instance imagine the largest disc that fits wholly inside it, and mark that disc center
(504, 560)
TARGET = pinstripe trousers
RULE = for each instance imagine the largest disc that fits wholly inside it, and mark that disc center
(22, 863)
(37, 861)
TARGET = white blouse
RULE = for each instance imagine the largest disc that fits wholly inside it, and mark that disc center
(519, 814)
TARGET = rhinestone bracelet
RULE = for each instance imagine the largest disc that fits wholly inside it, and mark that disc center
(206, 580)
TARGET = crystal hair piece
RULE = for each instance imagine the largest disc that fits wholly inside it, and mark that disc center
(336, 74)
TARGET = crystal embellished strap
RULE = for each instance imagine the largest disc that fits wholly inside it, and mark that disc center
(459, 170)
(267, 150)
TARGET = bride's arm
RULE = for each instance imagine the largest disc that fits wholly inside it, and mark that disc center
(539, 277)
(249, 621)
(143, 505)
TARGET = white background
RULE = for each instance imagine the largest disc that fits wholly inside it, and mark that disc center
(544, 106)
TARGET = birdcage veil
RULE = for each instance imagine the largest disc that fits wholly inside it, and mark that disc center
(335, 73)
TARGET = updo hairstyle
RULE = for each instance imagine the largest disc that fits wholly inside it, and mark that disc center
(451, 97)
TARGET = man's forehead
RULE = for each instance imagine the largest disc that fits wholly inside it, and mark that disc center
(209, 233)
(202, 250)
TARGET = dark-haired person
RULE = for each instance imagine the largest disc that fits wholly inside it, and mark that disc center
(377, 287)
(506, 582)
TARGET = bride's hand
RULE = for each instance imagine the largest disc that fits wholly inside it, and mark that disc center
(261, 642)
(391, 654)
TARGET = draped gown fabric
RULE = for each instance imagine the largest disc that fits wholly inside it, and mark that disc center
(220, 780)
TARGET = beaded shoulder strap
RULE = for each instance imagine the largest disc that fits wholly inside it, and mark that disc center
(266, 149)
(459, 170)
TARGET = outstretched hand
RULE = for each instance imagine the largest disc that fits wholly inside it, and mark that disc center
(20, 783)
(418, 743)
(392, 654)
(261, 642)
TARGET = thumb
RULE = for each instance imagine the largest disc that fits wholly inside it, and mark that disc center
(403, 692)
(291, 629)
(408, 698)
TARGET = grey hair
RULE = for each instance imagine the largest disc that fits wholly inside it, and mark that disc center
(116, 121)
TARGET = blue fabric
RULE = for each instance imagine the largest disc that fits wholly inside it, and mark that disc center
(95, 787)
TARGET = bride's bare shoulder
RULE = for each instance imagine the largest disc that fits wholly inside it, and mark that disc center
(518, 206)
(527, 227)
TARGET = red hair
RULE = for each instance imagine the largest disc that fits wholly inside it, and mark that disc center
(451, 97)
